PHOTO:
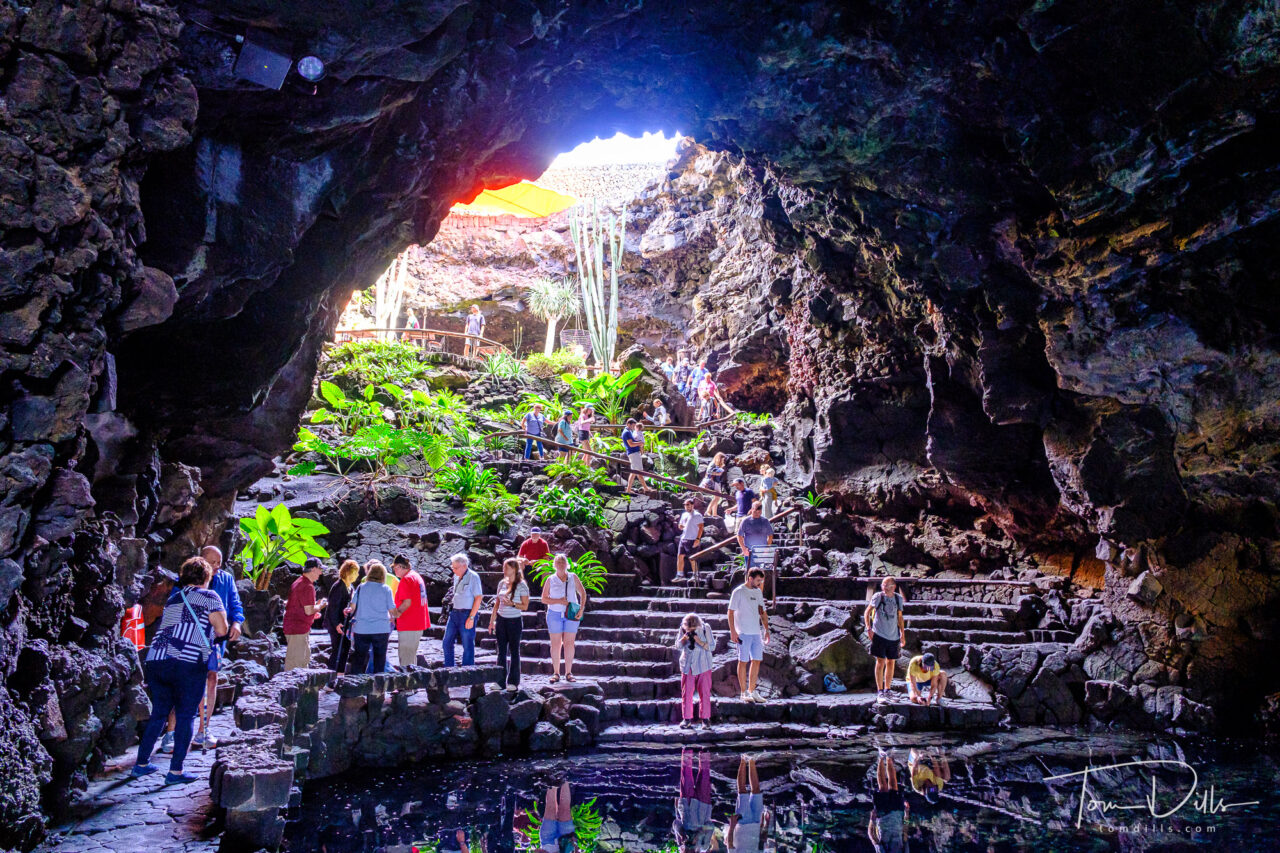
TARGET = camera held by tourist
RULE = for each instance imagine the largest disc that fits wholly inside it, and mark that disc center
(697, 648)
(178, 663)
(566, 599)
(300, 614)
(467, 594)
(749, 629)
(507, 620)
(372, 609)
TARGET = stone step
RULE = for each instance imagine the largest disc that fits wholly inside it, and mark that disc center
(653, 619)
(924, 636)
(947, 607)
(604, 668)
(958, 623)
(663, 604)
(847, 709)
(615, 583)
(624, 687)
(585, 650)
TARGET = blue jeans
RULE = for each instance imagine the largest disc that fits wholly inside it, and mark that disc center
(455, 629)
(369, 646)
(528, 447)
(174, 686)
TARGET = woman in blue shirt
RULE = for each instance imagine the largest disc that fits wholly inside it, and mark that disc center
(374, 606)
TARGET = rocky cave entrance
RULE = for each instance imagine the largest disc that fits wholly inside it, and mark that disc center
(1006, 277)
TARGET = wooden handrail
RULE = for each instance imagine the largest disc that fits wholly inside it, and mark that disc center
(620, 462)
(734, 538)
(421, 334)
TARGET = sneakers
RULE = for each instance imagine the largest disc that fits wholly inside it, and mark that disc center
(679, 576)
(179, 778)
(706, 724)
(880, 697)
(204, 740)
(166, 743)
(140, 770)
(756, 697)
(686, 724)
(748, 697)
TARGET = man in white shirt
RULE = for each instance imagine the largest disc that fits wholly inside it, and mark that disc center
(690, 535)
(467, 595)
(749, 628)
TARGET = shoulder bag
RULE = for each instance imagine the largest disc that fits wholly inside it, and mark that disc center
(572, 610)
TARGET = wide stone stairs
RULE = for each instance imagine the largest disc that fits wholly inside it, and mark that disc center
(626, 645)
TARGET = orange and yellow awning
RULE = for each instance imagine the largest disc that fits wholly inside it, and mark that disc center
(523, 199)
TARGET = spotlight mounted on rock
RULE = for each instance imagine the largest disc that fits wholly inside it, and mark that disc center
(262, 60)
(310, 68)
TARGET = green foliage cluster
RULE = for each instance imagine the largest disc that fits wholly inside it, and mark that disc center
(547, 366)
(493, 511)
(813, 499)
(465, 479)
(571, 506)
(274, 537)
(605, 393)
(375, 362)
(579, 470)
(501, 365)
(754, 418)
(588, 823)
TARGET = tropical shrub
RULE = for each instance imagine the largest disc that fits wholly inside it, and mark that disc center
(376, 362)
(754, 418)
(350, 414)
(587, 568)
(501, 365)
(464, 479)
(605, 393)
(580, 471)
(560, 361)
(571, 506)
(274, 537)
(493, 511)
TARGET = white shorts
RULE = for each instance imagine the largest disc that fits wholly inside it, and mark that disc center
(636, 460)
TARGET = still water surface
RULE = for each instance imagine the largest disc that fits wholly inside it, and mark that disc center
(984, 794)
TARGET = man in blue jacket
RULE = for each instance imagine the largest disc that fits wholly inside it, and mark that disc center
(224, 584)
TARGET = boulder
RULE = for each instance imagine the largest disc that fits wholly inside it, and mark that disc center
(524, 714)
(577, 734)
(1145, 588)
(491, 712)
(836, 652)
(556, 709)
(546, 738)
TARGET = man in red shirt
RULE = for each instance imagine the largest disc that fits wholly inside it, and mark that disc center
(533, 549)
(412, 616)
(299, 612)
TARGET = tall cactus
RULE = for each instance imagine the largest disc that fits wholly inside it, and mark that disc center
(591, 231)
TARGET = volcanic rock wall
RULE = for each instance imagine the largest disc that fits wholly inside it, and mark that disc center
(1021, 260)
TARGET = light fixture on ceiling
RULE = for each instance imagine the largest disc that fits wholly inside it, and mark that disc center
(310, 68)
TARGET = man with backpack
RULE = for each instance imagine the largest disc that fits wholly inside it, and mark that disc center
(412, 617)
(885, 627)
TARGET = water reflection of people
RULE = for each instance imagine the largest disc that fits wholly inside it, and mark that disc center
(557, 834)
(750, 820)
(929, 772)
(887, 828)
(692, 825)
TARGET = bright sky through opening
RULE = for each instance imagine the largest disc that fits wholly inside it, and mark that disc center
(649, 148)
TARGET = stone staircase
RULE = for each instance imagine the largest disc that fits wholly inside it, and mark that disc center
(625, 646)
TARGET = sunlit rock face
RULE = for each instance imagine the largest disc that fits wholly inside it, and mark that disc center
(1013, 259)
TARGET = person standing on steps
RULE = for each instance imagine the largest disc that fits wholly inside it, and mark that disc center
(768, 491)
(692, 825)
(564, 434)
(372, 608)
(565, 598)
(696, 375)
(754, 532)
(532, 549)
(691, 526)
(507, 619)
(299, 613)
(412, 614)
(633, 444)
(585, 420)
(696, 647)
(659, 417)
(178, 664)
(224, 584)
(535, 426)
(887, 828)
(743, 498)
(335, 615)
(475, 331)
(926, 682)
(749, 628)
(714, 480)
(887, 630)
(467, 595)
(750, 821)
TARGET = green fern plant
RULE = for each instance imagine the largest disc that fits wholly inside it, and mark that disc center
(464, 479)
(493, 511)
(578, 470)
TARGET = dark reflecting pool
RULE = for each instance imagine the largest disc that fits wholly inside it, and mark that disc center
(1033, 790)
